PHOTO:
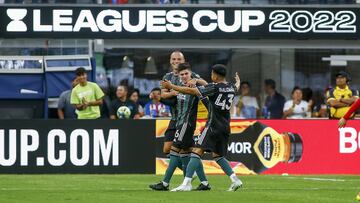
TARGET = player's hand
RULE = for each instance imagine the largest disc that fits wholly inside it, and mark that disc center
(166, 84)
(174, 93)
(191, 83)
(342, 122)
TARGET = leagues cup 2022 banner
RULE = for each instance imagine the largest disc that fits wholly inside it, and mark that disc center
(179, 22)
(318, 147)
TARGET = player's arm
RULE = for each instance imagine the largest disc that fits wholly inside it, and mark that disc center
(166, 94)
(181, 89)
(197, 81)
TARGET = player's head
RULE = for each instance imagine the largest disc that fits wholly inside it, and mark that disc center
(184, 71)
(155, 94)
(297, 94)
(176, 58)
(121, 91)
(342, 78)
(81, 75)
(270, 86)
(218, 72)
(245, 88)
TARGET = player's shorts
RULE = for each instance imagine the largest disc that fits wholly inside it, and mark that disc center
(213, 141)
(170, 131)
(184, 136)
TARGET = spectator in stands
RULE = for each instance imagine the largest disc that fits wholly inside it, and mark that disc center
(134, 96)
(220, 1)
(86, 96)
(272, 1)
(65, 108)
(140, 1)
(307, 95)
(122, 100)
(245, 105)
(274, 102)
(296, 108)
(246, 1)
(105, 108)
(342, 96)
(155, 108)
(319, 109)
(172, 1)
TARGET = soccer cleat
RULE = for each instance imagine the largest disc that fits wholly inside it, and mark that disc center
(182, 188)
(235, 185)
(202, 187)
(159, 187)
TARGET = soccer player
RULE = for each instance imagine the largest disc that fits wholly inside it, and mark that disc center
(215, 135)
(169, 98)
(353, 108)
(186, 107)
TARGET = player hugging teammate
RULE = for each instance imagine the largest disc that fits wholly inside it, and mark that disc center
(215, 136)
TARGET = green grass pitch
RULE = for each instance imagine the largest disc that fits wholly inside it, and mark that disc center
(134, 188)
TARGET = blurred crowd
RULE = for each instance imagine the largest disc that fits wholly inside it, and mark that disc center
(333, 103)
(254, 2)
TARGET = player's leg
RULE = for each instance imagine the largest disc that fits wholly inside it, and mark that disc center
(174, 161)
(169, 138)
(173, 164)
(204, 143)
(185, 141)
(218, 155)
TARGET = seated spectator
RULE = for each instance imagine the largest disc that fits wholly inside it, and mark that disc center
(296, 108)
(342, 96)
(274, 101)
(245, 105)
(155, 108)
(319, 109)
(65, 108)
(122, 100)
(134, 96)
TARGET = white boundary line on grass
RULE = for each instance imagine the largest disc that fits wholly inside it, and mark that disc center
(319, 179)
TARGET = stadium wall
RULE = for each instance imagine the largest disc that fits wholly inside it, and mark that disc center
(326, 149)
(77, 146)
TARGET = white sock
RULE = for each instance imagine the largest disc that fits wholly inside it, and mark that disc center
(234, 178)
(205, 182)
(187, 181)
(165, 184)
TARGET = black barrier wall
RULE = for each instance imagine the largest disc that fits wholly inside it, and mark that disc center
(77, 146)
(170, 22)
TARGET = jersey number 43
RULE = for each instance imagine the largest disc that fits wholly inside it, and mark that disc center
(224, 103)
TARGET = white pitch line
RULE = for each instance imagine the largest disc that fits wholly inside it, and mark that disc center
(320, 179)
